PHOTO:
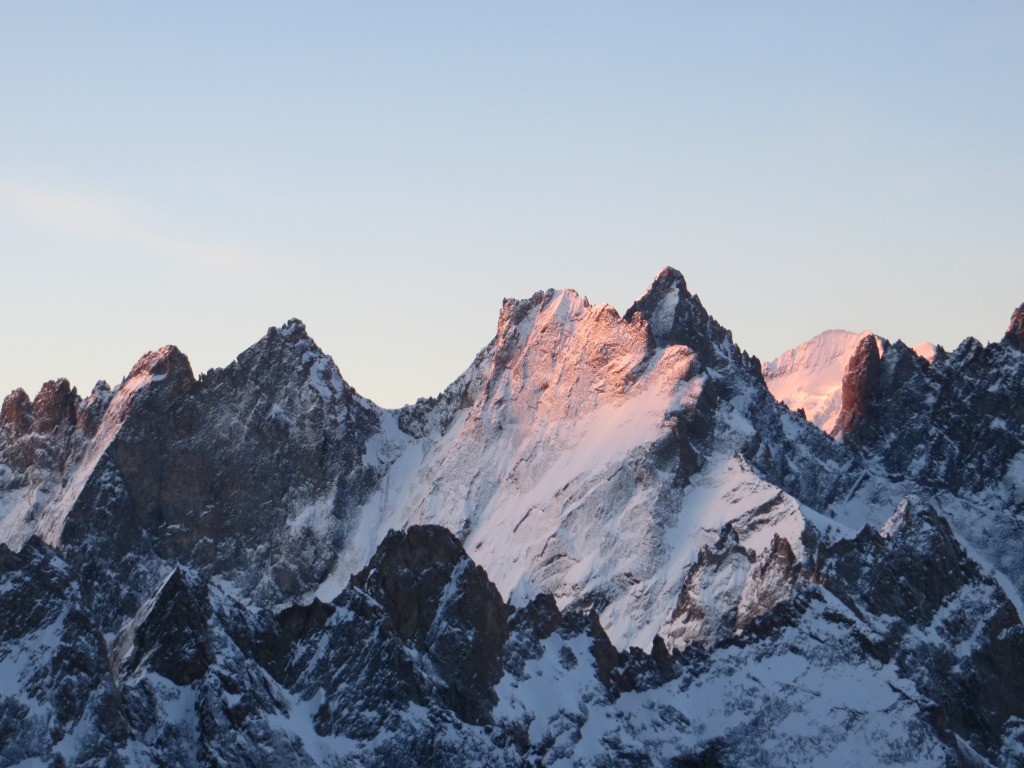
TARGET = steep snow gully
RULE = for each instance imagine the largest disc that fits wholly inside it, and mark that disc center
(606, 543)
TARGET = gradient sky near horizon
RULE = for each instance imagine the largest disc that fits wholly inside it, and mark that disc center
(192, 173)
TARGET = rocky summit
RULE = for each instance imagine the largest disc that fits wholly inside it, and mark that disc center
(607, 543)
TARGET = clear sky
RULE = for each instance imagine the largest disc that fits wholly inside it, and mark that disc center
(192, 173)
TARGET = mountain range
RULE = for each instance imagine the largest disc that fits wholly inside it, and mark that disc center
(613, 540)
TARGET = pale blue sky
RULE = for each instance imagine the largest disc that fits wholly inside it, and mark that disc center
(193, 173)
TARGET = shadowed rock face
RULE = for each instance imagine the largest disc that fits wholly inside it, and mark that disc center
(170, 634)
(208, 473)
(421, 624)
(419, 591)
(860, 386)
(423, 570)
(56, 676)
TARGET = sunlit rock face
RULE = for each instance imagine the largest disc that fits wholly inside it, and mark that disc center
(606, 543)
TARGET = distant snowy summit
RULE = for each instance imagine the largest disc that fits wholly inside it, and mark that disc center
(810, 377)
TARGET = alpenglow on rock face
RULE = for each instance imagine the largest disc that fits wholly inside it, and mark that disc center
(606, 543)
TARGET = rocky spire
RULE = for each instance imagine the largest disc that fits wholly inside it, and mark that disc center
(860, 384)
(54, 406)
(16, 412)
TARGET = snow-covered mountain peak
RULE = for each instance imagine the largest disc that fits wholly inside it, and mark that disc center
(658, 304)
(583, 456)
(927, 350)
(810, 376)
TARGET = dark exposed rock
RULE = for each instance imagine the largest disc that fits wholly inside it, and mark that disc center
(55, 406)
(421, 625)
(16, 413)
(169, 633)
(176, 482)
(408, 575)
(956, 424)
(888, 574)
(436, 599)
(709, 756)
(772, 580)
(33, 580)
(689, 324)
(860, 386)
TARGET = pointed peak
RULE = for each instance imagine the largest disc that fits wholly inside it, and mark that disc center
(1015, 332)
(168, 633)
(418, 548)
(291, 341)
(92, 409)
(677, 317)
(667, 284)
(290, 338)
(58, 388)
(671, 276)
(287, 357)
(168, 361)
(293, 330)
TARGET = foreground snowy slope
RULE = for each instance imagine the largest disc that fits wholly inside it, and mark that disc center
(215, 552)
(420, 662)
